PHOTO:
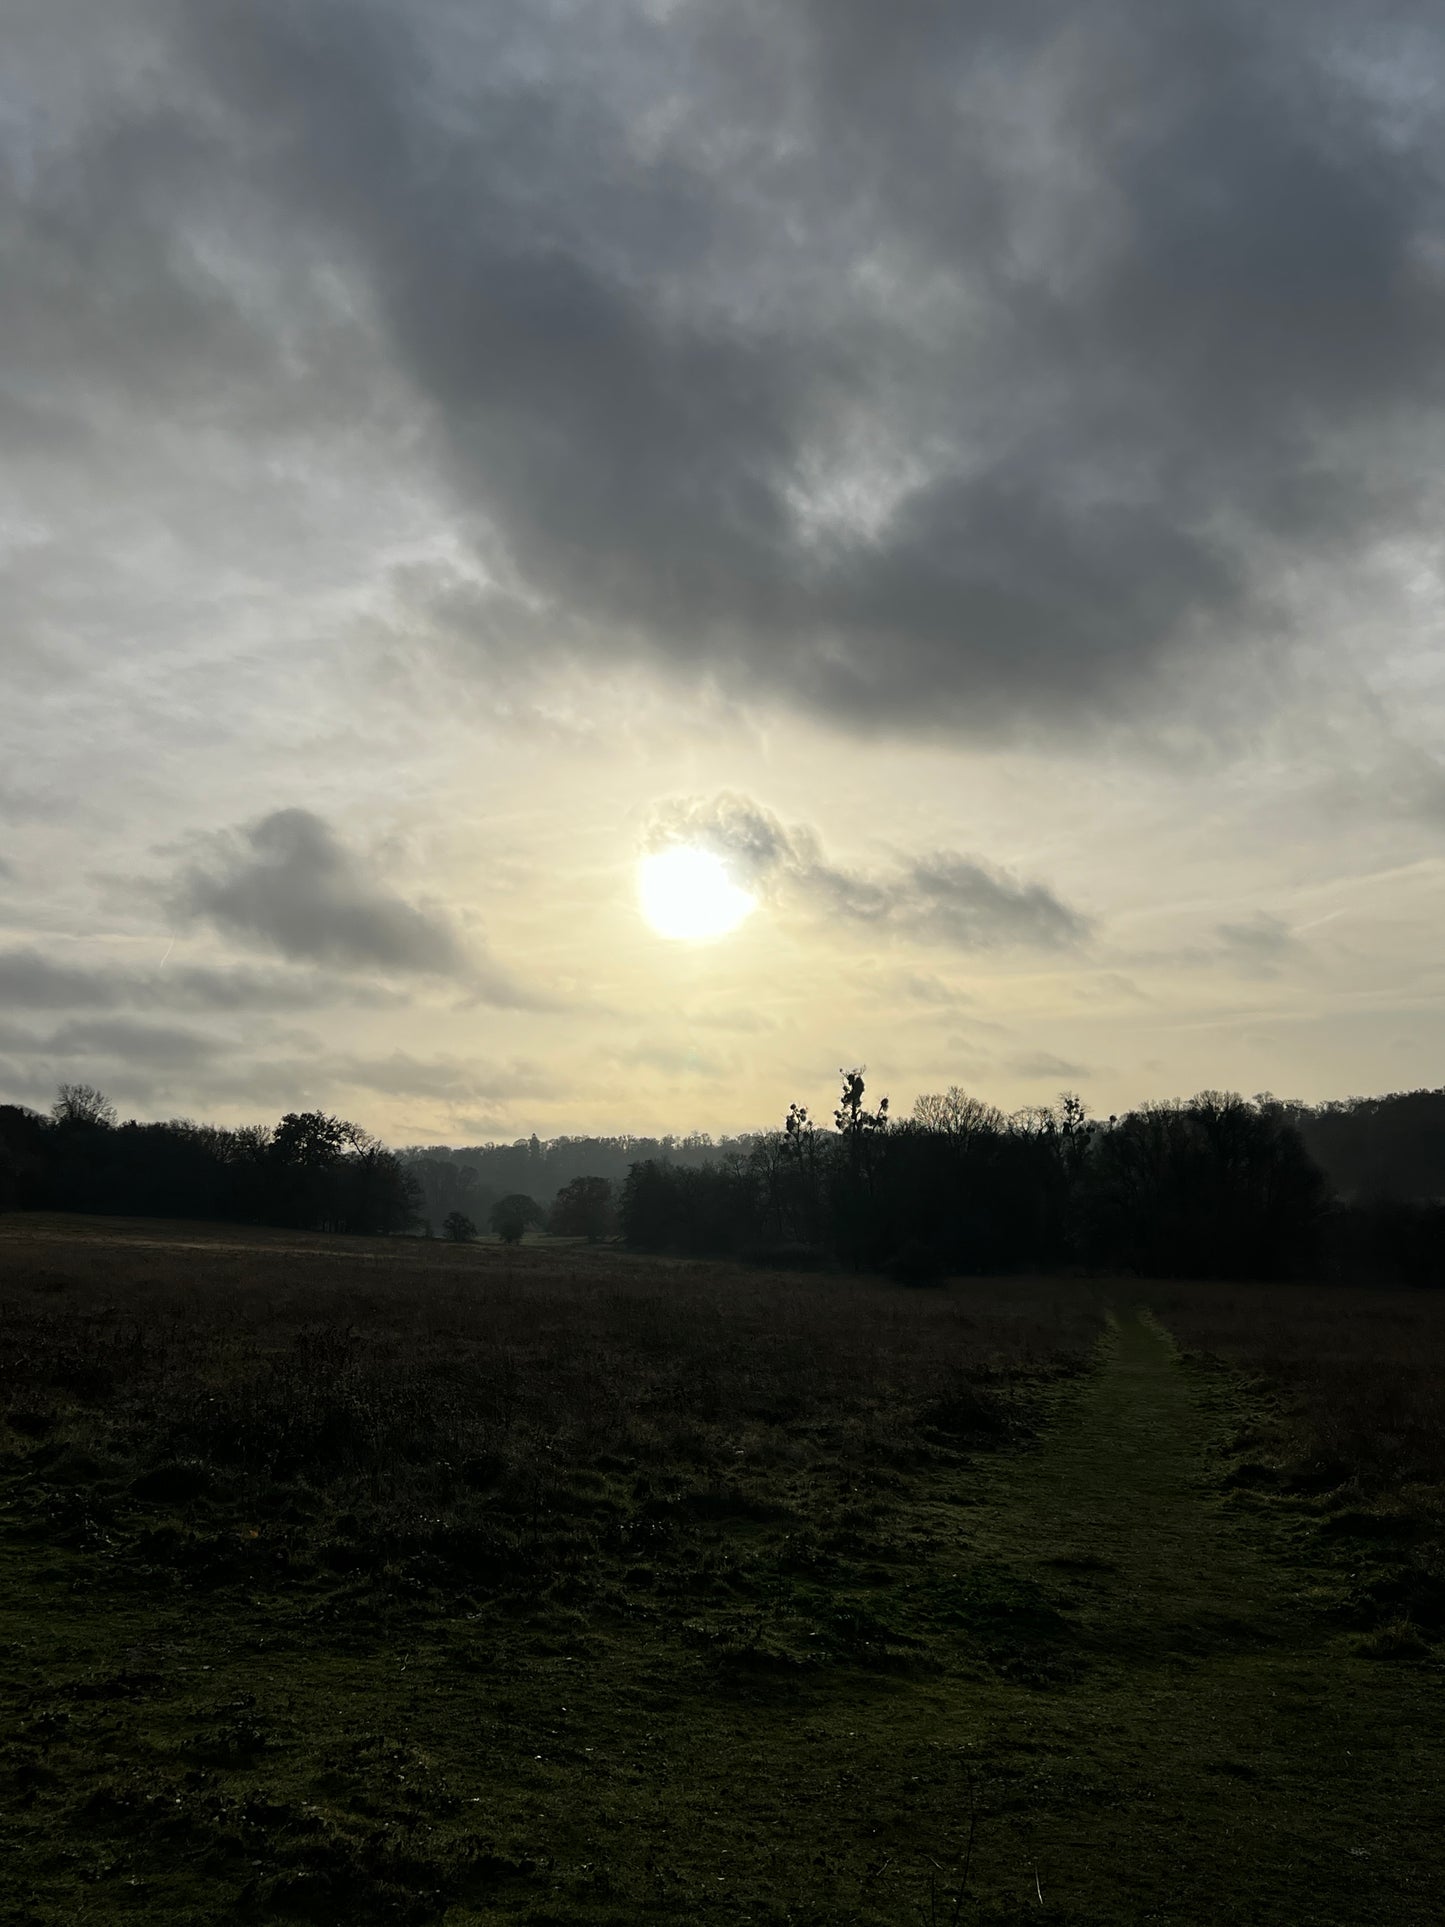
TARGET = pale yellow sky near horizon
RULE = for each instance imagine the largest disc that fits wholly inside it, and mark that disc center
(1224, 947)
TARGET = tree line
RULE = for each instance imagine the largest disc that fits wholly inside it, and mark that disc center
(309, 1172)
(471, 1181)
(1219, 1185)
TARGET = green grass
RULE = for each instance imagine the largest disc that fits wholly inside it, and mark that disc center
(1036, 1612)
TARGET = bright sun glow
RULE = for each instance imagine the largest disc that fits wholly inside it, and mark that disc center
(686, 892)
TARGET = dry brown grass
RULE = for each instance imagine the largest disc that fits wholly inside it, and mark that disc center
(514, 1410)
(1362, 1370)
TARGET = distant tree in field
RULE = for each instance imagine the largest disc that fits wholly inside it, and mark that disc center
(583, 1209)
(82, 1104)
(458, 1227)
(510, 1216)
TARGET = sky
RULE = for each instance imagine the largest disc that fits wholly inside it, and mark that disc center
(974, 469)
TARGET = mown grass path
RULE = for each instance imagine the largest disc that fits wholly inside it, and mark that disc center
(1224, 1753)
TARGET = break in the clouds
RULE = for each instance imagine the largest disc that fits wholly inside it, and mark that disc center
(939, 898)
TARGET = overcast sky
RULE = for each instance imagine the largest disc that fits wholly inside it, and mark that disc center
(975, 466)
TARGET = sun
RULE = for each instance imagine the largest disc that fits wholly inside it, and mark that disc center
(687, 893)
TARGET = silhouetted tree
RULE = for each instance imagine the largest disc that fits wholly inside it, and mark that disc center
(510, 1216)
(651, 1207)
(301, 1160)
(954, 1114)
(82, 1104)
(458, 1227)
(583, 1209)
(372, 1189)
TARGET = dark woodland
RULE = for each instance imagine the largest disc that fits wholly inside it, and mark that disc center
(1216, 1186)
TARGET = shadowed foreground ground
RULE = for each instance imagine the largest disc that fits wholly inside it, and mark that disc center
(1129, 1686)
(1224, 1753)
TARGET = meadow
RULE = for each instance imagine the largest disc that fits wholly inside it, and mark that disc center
(388, 1580)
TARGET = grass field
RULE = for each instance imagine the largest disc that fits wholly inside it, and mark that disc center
(388, 1581)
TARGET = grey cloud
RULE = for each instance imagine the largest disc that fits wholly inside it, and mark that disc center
(676, 1060)
(933, 372)
(288, 883)
(31, 981)
(1045, 1064)
(951, 900)
(202, 987)
(455, 1080)
(919, 988)
(1257, 946)
(942, 898)
(931, 367)
(319, 1076)
(161, 1047)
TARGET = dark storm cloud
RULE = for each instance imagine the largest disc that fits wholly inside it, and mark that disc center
(931, 366)
(941, 898)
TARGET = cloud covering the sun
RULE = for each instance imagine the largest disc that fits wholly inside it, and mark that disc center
(940, 897)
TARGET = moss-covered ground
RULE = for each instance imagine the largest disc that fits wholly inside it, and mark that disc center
(1078, 1676)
